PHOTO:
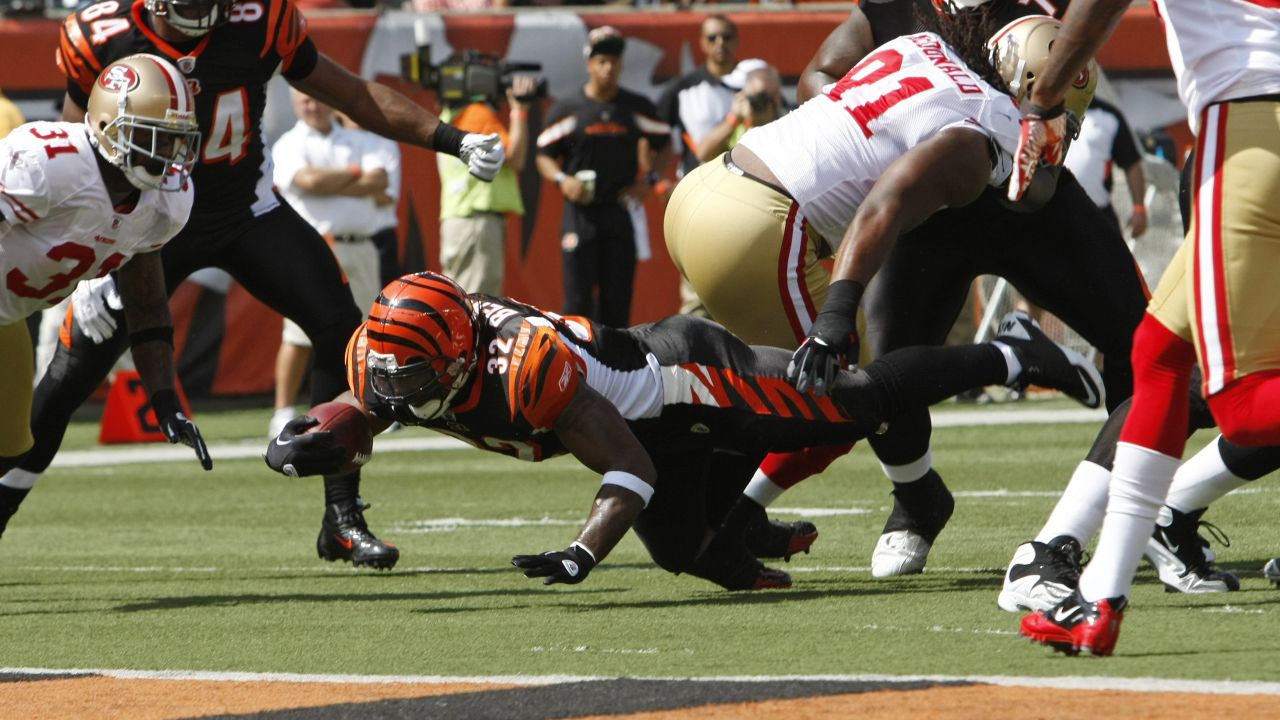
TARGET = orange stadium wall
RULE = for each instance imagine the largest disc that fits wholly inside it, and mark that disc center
(242, 335)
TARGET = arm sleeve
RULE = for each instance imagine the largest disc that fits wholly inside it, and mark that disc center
(76, 60)
(543, 376)
(553, 141)
(287, 39)
(24, 187)
(287, 159)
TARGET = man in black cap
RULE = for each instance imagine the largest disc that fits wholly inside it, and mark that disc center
(600, 147)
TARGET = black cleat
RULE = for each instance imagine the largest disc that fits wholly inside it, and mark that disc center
(10, 499)
(1179, 553)
(345, 536)
(1049, 364)
(777, 539)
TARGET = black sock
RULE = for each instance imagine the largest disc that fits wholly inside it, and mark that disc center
(342, 489)
(10, 499)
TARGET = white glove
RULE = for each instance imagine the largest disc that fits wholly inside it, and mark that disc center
(483, 155)
(92, 303)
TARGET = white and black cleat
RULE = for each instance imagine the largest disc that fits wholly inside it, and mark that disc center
(1048, 364)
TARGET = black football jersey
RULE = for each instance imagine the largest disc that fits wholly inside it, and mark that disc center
(893, 18)
(227, 70)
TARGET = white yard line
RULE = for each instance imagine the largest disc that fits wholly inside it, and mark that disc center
(1143, 685)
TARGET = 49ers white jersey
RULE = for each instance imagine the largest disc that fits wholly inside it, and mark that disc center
(831, 150)
(59, 224)
(1222, 49)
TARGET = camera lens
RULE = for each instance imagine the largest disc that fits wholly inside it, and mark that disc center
(760, 102)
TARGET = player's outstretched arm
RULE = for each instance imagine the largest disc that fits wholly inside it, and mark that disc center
(146, 312)
(595, 432)
(382, 110)
(848, 43)
(298, 453)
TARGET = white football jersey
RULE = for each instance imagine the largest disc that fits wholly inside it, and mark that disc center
(59, 224)
(830, 151)
(1222, 49)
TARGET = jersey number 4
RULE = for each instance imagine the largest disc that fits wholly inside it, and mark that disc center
(873, 68)
(228, 138)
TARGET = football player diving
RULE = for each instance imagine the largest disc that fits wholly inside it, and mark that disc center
(645, 407)
(227, 52)
(81, 199)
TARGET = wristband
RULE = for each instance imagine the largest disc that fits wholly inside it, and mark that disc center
(356, 171)
(1046, 113)
(630, 482)
(162, 333)
(1140, 209)
(519, 114)
(733, 120)
(585, 549)
(560, 176)
(843, 297)
(662, 187)
(651, 178)
(447, 139)
(165, 403)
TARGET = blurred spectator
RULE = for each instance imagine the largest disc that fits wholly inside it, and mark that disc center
(1105, 139)
(759, 102)
(385, 238)
(326, 173)
(594, 148)
(431, 6)
(695, 104)
(10, 116)
(473, 214)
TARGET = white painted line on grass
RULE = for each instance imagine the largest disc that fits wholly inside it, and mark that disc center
(1077, 682)
(425, 441)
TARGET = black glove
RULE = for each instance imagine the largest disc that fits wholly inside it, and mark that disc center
(570, 565)
(177, 427)
(832, 340)
(296, 452)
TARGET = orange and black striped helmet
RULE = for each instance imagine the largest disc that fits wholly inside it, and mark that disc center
(422, 343)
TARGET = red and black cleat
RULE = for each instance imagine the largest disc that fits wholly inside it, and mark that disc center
(1074, 625)
(344, 535)
(769, 579)
(777, 539)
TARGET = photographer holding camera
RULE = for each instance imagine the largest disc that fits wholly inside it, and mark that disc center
(759, 102)
(473, 214)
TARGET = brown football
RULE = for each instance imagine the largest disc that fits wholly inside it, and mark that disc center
(350, 429)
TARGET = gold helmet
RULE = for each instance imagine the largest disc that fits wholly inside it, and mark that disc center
(142, 118)
(1020, 51)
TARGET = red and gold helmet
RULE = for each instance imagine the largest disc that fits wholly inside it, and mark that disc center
(422, 343)
(1020, 51)
(142, 118)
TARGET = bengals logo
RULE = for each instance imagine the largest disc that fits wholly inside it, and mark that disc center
(119, 78)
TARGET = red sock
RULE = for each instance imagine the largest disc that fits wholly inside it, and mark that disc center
(1162, 364)
(788, 469)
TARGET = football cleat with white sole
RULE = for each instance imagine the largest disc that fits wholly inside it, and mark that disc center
(1075, 625)
(900, 552)
(1041, 575)
(1048, 364)
(1177, 551)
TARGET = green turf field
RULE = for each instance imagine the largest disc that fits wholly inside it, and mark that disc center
(162, 566)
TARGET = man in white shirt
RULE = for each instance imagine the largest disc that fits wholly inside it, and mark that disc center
(337, 182)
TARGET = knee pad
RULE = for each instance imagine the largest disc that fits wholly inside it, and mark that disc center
(1246, 410)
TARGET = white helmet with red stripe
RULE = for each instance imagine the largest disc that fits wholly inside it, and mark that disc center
(142, 118)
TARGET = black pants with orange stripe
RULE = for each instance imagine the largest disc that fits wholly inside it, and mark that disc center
(1067, 258)
(706, 450)
(278, 257)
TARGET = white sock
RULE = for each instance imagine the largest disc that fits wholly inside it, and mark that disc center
(762, 489)
(1011, 360)
(19, 479)
(1083, 504)
(910, 472)
(1202, 480)
(1139, 482)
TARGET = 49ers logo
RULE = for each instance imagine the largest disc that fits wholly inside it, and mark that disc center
(119, 78)
(1081, 80)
